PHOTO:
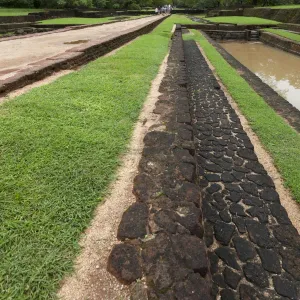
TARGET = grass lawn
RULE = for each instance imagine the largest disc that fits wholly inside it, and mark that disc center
(282, 6)
(289, 35)
(279, 139)
(83, 21)
(17, 11)
(242, 20)
(60, 146)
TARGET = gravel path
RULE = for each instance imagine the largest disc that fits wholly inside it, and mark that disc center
(22, 53)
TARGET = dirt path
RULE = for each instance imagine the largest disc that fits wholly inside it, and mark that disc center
(21, 53)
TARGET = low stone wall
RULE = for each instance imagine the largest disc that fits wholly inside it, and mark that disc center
(74, 57)
(13, 26)
(280, 15)
(226, 27)
(280, 42)
(227, 35)
(290, 27)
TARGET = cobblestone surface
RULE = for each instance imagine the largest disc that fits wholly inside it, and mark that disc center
(208, 223)
(248, 232)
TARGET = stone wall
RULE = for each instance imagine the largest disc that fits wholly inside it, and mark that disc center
(290, 27)
(280, 15)
(280, 42)
(227, 35)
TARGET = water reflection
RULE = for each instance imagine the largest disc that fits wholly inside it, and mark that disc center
(278, 69)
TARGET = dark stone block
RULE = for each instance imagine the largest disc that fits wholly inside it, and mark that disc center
(214, 188)
(208, 234)
(285, 288)
(287, 235)
(279, 212)
(159, 139)
(247, 153)
(291, 262)
(262, 180)
(270, 260)
(225, 216)
(212, 177)
(228, 294)
(214, 259)
(165, 219)
(228, 256)
(189, 192)
(193, 288)
(192, 252)
(247, 292)
(231, 278)
(227, 177)
(237, 210)
(124, 263)
(244, 248)
(261, 213)
(253, 201)
(209, 212)
(234, 196)
(250, 188)
(187, 170)
(213, 168)
(223, 232)
(160, 275)
(269, 194)
(259, 234)
(134, 222)
(143, 187)
(240, 224)
(256, 274)
(219, 280)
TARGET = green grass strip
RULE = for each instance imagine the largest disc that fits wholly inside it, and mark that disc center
(289, 35)
(279, 139)
(242, 20)
(60, 146)
(282, 6)
(8, 12)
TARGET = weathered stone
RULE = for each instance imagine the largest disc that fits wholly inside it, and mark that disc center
(209, 212)
(247, 153)
(223, 232)
(228, 256)
(189, 192)
(214, 259)
(244, 248)
(231, 278)
(187, 170)
(269, 194)
(138, 291)
(261, 213)
(253, 201)
(234, 196)
(250, 188)
(191, 251)
(124, 263)
(213, 168)
(165, 219)
(287, 235)
(270, 260)
(193, 288)
(214, 188)
(212, 177)
(225, 216)
(291, 262)
(247, 292)
(209, 233)
(219, 280)
(279, 212)
(258, 234)
(237, 210)
(143, 187)
(159, 139)
(227, 177)
(285, 288)
(134, 222)
(262, 180)
(240, 224)
(228, 294)
(256, 274)
(160, 276)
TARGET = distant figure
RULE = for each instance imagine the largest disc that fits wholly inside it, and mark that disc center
(156, 11)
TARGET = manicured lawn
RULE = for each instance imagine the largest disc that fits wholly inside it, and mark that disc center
(60, 146)
(17, 11)
(83, 21)
(279, 139)
(242, 20)
(282, 6)
(289, 35)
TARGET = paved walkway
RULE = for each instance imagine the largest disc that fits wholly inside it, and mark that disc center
(208, 223)
(20, 53)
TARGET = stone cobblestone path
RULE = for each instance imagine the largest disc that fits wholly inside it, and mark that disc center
(208, 223)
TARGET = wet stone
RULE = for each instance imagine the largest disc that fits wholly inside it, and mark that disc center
(270, 260)
(124, 264)
(285, 288)
(134, 222)
(256, 274)
(228, 256)
(223, 232)
(244, 248)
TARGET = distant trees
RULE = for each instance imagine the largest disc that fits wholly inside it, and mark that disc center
(137, 4)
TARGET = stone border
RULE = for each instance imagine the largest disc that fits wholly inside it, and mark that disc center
(74, 57)
(226, 27)
(278, 103)
(280, 42)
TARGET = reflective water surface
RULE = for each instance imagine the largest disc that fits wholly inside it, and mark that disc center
(278, 69)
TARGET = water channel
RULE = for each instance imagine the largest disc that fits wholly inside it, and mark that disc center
(277, 68)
